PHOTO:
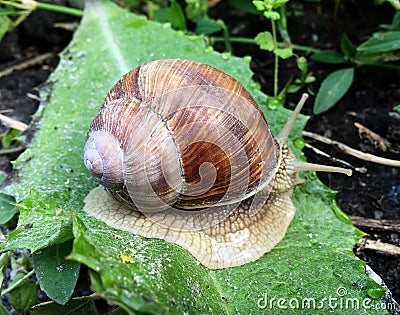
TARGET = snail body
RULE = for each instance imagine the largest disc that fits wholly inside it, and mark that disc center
(186, 155)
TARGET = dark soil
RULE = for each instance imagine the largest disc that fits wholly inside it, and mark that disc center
(374, 194)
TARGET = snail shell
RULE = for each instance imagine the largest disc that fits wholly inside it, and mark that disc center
(187, 156)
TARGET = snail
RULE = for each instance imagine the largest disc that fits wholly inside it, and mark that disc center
(183, 153)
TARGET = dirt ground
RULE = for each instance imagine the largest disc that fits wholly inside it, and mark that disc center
(371, 197)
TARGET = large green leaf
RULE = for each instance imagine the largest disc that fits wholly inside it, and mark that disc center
(149, 275)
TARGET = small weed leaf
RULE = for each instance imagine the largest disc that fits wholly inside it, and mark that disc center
(347, 46)
(207, 27)
(57, 275)
(265, 41)
(76, 306)
(328, 56)
(332, 89)
(8, 208)
(381, 42)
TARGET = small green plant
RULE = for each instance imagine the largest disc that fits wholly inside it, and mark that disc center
(269, 41)
(380, 49)
(10, 142)
(172, 14)
(305, 78)
(194, 11)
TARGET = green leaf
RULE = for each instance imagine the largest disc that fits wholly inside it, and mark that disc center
(272, 15)
(8, 208)
(3, 310)
(395, 26)
(347, 46)
(359, 234)
(260, 5)
(4, 259)
(178, 21)
(339, 213)
(160, 267)
(48, 224)
(265, 41)
(381, 42)
(150, 275)
(397, 108)
(302, 65)
(309, 79)
(332, 89)
(278, 3)
(119, 311)
(4, 24)
(3, 177)
(360, 265)
(57, 276)
(7, 11)
(377, 59)
(207, 27)
(294, 88)
(196, 9)
(244, 6)
(8, 137)
(375, 290)
(21, 264)
(23, 297)
(163, 15)
(328, 56)
(76, 306)
(283, 53)
(173, 15)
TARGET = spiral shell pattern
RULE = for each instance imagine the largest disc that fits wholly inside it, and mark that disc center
(180, 134)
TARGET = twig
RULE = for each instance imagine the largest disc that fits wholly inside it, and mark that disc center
(26, 64)
(385, 248)
(12, 123)
(8, 110)
(356, 153)
(382, 143)
(382, 225)
(33, 96)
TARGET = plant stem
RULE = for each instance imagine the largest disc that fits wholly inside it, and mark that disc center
(11, 150)
(16, 284)
(13, 4)
(59, 9)
(31, 5)
(282, 27)
(226, 38)
(245, 40)
(276, 61)
(240, 40)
